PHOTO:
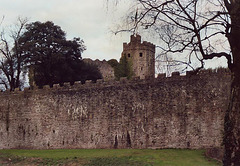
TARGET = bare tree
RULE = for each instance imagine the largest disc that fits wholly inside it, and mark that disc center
(12, 68)
(168, 65)
(193, 28)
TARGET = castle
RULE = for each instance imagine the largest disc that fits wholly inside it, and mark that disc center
(141, 56)
(163, 112)
(105, 69)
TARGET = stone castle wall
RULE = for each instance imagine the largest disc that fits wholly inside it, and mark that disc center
(105, 69)
(175, 112)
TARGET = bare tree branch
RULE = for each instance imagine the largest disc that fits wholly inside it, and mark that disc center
(182, 26)
(11, 63)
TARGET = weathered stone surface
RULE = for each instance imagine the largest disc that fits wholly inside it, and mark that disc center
(177, 112)
(105, 69)
(141, 56)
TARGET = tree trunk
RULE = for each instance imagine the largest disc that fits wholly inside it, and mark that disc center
(232, 118)
(232, 126)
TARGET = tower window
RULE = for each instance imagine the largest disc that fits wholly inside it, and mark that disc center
(140, 54)
(129, 55)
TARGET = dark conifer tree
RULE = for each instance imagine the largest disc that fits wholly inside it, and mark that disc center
(53, 58)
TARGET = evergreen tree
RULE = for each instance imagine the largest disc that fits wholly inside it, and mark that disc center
(113, 62)
(123, 69)
(53, 58)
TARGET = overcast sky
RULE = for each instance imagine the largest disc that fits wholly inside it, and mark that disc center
(91, 20)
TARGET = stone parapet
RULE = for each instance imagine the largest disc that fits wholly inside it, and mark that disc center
(165, 112)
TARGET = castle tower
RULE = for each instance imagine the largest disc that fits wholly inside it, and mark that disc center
(141, 56)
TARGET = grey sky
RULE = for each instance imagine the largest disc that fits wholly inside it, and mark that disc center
(91, 20)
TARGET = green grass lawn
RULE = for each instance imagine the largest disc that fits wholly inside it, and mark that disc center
(102, 157)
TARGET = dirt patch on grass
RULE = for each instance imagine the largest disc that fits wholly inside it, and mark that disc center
(215, 153)
(18, 161)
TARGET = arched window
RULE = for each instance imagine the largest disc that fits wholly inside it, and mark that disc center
(129, 55)
(140, 54)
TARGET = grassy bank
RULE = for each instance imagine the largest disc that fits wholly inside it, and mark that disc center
(102, 157)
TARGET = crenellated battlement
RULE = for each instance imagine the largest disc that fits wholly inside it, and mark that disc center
(161, 78)
(136, 44)
(181, 111)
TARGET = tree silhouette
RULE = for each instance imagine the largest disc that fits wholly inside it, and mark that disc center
(12, 65)
(52, 57)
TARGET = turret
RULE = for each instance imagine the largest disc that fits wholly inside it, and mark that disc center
(141, 55)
